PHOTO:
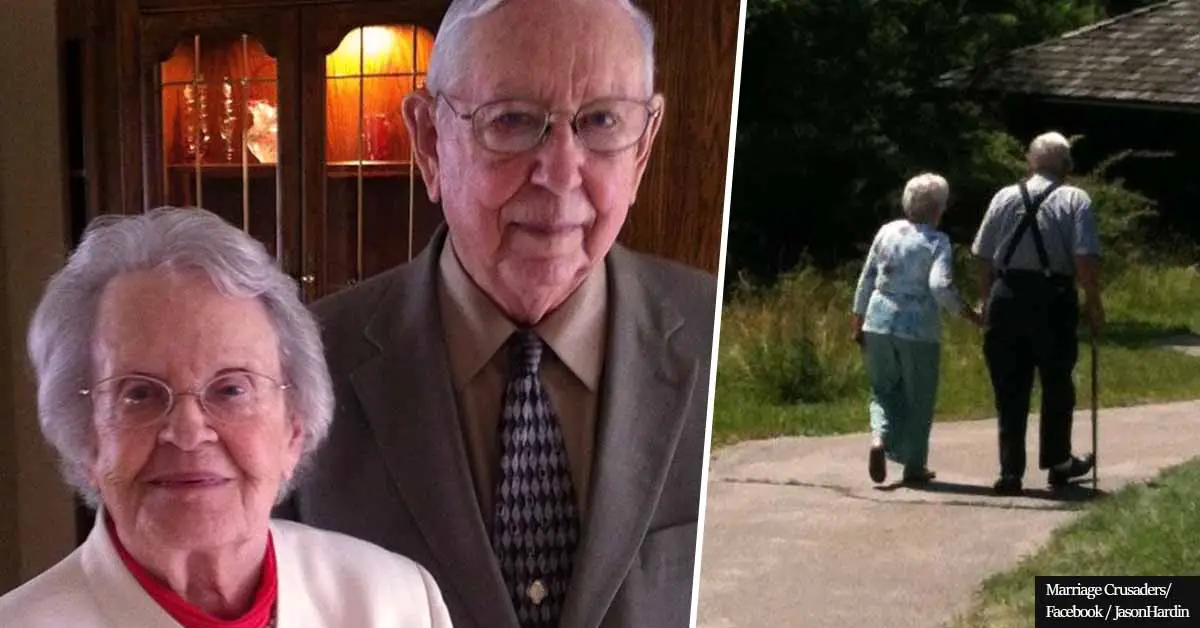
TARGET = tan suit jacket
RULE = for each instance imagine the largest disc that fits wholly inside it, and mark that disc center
(395, 472)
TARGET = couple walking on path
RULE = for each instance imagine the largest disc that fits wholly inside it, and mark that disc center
(1036, 245)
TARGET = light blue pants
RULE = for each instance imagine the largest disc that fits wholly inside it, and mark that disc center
(904, 376)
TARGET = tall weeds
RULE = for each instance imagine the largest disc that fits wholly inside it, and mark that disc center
(790, 343)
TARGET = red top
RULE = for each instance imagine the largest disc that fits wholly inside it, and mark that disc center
(188, 614)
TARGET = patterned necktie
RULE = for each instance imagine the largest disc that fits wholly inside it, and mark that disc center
(535, 526)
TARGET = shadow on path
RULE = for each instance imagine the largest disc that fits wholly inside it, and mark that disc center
(1074, 493)
(1070, 498)
(1135, 334)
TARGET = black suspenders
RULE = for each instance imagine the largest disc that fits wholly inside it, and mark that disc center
(1029, 222)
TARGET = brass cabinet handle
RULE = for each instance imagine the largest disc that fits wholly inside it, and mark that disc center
(308, 280)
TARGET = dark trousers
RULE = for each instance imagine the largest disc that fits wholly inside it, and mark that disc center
(1032, 323)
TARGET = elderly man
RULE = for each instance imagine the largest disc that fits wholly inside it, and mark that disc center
(522, 408)
(1037, 241)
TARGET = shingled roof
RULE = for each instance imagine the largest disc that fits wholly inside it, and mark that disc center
(1150, 56)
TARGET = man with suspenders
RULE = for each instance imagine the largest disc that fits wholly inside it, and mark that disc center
(1038, 241)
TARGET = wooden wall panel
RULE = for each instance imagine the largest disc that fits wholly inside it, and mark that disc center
(679, 209)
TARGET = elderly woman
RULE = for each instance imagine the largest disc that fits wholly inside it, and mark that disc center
(183, 385)
(908, 273)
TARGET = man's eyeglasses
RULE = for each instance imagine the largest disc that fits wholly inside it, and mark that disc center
(134, 400)
(515, 126)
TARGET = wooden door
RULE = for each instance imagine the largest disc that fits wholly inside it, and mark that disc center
(680, 206)
(221, 119)
(365, 205)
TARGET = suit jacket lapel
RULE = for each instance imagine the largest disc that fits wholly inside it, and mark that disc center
(407, 395)
(646, 388)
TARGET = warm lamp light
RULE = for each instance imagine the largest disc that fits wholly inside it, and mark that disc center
(367, 77)
(372, 41)
(376, 41)
(380, 48)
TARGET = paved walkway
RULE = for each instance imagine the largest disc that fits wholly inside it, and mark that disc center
(796, 534)
(1186, 343)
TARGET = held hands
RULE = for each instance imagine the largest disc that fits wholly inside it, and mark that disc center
(857, 327)
(976, 317)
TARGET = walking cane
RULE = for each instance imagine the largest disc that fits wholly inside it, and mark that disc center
(1095, 404)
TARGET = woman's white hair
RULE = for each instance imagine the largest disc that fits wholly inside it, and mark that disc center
(1050, 153)
(165, 239)
(925, 197)
(446, 61)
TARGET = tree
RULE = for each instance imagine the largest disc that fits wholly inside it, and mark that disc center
(842, 100)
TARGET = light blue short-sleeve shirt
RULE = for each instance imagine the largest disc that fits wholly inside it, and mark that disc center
(1065, 220)
(909, 272)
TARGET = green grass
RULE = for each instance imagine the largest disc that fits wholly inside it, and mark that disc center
(1140, 530)
(787, 364)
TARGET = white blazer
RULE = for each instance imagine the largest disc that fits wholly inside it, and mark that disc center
(326, 580)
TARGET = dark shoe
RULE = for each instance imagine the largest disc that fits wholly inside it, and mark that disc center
(1007, 485)
(918, 477)
(877, 464)
(1079, 466)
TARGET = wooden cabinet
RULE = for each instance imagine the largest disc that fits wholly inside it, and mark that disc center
(284, 118)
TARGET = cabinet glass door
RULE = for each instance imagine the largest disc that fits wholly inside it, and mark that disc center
(220, 103)
(377, 212)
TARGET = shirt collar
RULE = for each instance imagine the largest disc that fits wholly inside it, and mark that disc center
(477, 328)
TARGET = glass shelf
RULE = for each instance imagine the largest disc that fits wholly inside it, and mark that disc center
(219, 97)
(394, 168)
(377, 210)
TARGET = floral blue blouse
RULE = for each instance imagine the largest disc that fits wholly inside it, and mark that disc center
(909, 271)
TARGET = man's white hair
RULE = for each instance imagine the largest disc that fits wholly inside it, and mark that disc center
(925, 197)
(445, 64)
(1050, 152)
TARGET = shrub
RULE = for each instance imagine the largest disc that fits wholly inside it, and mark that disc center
(790, 342)
(1123, 216)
